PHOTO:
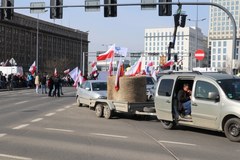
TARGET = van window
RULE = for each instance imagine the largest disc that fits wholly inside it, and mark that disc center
(203, 88)
(165, 88)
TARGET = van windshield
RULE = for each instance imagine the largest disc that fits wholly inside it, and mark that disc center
(231, 87)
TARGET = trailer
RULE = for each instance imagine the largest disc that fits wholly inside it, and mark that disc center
(106, 108)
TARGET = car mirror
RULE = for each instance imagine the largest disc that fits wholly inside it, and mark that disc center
(88, 89)
(213, 96)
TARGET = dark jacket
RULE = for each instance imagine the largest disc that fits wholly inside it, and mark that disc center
(183, 96)
(43, 80)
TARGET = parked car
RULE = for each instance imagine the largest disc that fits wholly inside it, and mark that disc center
(214, 102)
(91, 89)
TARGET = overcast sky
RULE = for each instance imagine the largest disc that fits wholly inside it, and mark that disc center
(126, 30)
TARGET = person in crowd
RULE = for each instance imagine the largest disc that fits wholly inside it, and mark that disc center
(37, 83)
(43, 84)
(50, 86)
(184, 100)
(56, 82)
(29, 80)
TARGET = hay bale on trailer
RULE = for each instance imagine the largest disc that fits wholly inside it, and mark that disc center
(131, 89)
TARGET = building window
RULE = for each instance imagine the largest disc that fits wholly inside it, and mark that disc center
(214, 51)
(219, 50)
(219, 64)
(213, 64)
(219, 57)
(224, 44)
(224, 50)
(213, 57)
(237, 43)
(219, 44)
(214, 44)
(224, 57)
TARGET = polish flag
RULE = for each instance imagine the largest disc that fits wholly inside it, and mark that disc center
(154, 75)
(80, 79)
(110, 67)
(55, 72)
(66, 71)
(168, 64)
(33, 68)
(107, 55)
(120, 73)
(94, 69)
(135, 69)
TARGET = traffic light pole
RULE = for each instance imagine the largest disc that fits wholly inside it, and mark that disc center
(150, 4)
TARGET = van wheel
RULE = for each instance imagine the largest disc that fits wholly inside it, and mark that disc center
(78, 103)
(232, 129)
(107, 112)
(99, 110)
(168, 124)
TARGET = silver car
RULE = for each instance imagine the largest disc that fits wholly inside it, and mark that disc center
(91, 89)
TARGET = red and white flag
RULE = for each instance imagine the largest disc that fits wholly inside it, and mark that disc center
(135, 69)
(94, 69)
(80, 79)
(66, 71)
(168, 64)
(107, 55)
(110, 67)
(154, 75)
(33, 68)
(120, 73)
(55, 72)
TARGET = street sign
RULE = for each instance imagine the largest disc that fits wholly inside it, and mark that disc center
(92, 5)
(199, 54)
(37, 7)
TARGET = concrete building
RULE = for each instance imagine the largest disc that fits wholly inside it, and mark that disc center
(59, 47)
(157, 41)
(220, 36)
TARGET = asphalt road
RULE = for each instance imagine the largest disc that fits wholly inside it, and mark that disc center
(37, 127)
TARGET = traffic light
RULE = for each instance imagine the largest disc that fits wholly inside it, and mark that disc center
(176, 19)
(56, 12)
(165, 10)
(110, 11)
(175, 57)
(183, 20)
(7, 13)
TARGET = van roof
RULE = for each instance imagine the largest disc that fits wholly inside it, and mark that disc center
(212, 75)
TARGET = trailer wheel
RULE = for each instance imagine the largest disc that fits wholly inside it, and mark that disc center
(78, 102)
(99, 110)
(168, 124)
(107, 112)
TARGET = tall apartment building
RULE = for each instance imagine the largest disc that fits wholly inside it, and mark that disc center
(157, 41)
(221, 34)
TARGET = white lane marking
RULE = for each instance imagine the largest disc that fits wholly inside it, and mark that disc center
(109, 135)
(179, 143)
(60, 110)
(49, 114)
(61, 130)
(21, 102)
(67, 107)
(2, 135)
(21, 126)
(14, 157)
(37, 120)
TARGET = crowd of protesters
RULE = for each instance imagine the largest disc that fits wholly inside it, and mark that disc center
(12, 81)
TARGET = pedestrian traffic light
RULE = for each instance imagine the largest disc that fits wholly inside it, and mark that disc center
(183, 20)
(56, 10)
(166, 9)
(110, 11)
(9, 12)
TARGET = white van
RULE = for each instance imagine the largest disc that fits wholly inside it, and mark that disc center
(215, 102)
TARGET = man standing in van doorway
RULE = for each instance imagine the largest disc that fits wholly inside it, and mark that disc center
(184, 99)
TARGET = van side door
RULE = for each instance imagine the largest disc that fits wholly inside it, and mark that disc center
(205, 111)
(163, 99)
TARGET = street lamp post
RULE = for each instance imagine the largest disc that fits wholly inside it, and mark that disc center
(83, 54)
